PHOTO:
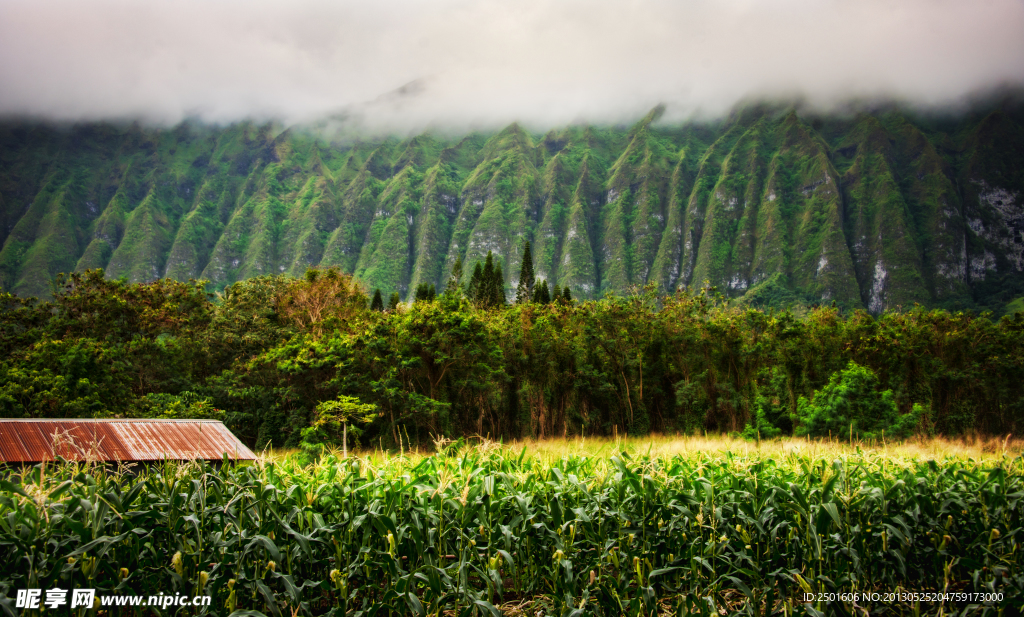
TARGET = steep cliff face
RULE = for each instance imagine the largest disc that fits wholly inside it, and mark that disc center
(991, 183)
(878, 210)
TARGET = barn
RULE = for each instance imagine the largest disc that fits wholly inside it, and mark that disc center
(117, 440)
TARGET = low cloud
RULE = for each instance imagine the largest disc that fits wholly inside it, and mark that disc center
(404, 65)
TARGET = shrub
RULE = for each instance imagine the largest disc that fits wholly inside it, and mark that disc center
(184, 406)
(852, 405)
(761, 428)
(771, 417)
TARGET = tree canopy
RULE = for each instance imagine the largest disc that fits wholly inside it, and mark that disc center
(266, 353)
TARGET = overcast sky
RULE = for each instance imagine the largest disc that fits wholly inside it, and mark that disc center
(408, 64)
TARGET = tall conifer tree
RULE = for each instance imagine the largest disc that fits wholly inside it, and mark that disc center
(485, 294)
(524, 290)
(475, 282)
(498, 288)
(455, 279)
(378, 302)
(541, 295)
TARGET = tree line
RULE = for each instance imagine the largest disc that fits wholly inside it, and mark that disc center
(273, 356)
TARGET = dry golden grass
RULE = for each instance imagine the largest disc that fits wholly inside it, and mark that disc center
(663, 446)
(980, 450)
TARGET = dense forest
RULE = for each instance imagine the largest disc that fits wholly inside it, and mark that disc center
(283, 359)
(877, 209)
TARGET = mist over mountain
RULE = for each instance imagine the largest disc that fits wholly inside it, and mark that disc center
(401, 67)
(878, 209)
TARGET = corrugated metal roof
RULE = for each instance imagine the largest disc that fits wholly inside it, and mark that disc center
(32, 441)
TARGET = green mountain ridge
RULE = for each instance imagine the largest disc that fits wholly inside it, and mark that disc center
(876, 210)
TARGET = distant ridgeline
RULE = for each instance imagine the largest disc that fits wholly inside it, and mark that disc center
(874, 210)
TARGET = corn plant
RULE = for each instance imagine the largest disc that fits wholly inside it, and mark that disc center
(476, 532)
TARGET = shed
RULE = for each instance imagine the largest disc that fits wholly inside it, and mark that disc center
(131, 441)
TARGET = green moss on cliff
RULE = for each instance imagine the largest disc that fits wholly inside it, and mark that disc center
(878, 210)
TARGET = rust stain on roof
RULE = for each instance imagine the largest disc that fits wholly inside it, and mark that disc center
(33, 441)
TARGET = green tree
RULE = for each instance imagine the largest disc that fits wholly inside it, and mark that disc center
(486, 293)
(498, 298)
(490, 288)
(394, 301)
(378, 302)
(541, 294)
(426, 292)
(340, 411)
(187, 405)
(448, 354)
(454, 286)
(475, 283)
(524, 289)
(422, 293)
(853, 404)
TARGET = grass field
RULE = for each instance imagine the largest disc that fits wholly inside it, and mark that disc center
(563, 527)
(983, 451)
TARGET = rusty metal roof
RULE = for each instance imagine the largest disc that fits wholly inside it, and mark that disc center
(33, 441)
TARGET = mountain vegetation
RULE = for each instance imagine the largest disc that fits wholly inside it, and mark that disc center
(879, 209)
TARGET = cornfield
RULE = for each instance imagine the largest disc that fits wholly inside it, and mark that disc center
(481, 531)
